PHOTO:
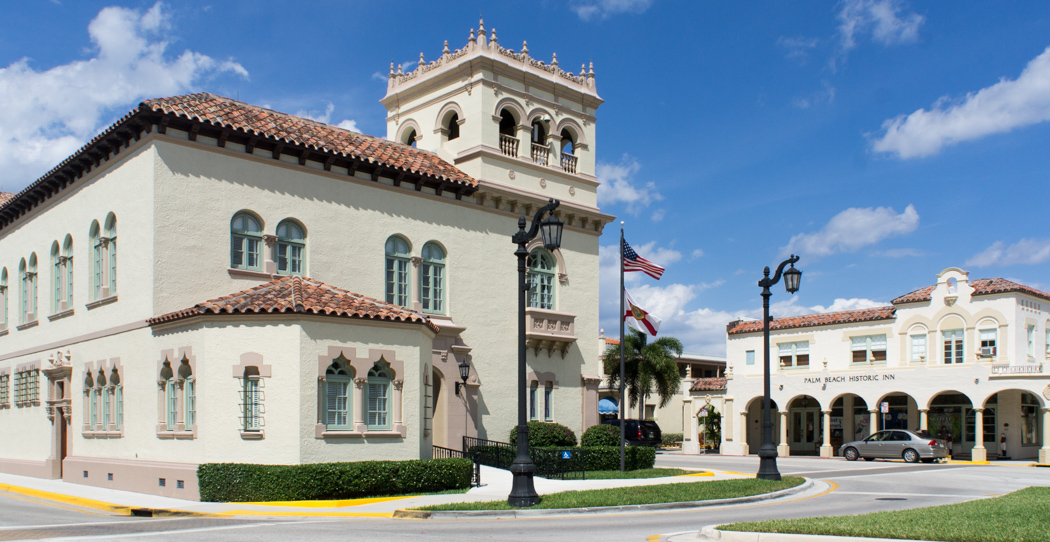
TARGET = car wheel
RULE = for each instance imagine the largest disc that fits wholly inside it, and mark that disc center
(911, 456)
(851, 454)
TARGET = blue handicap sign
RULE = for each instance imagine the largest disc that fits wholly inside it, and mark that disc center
(566, 454)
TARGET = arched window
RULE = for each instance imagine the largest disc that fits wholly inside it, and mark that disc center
(67, 254)
(27, 275)
(379, 396)
(116, 390)
(539, 133)
(245, 237)
(541, 279)
(58, 278)
(189, 395)
(453, 126)
(102, 398)
(397, 271)
(111, 253)
(432, 279)
(251, 400)
(92, 409)
(568, 145)
(410, 137)
(95, 236)
(171, 405)
(3, 298)
(290, 245)
(337, 395)
(507, 124)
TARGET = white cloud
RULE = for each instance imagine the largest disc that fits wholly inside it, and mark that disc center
(854, 229)
(589, 10)
(852, 304)
(1025, 251)
(1002, 107)
(618, 185)
(658, 215)
(326, 117)
(825, 95)
(883, 19)
(797, 47)
(901, 253)
(48, 114)
(698, 253)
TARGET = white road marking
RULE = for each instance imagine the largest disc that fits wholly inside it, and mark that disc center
(181, 531)
(906, 495)
(88, 524)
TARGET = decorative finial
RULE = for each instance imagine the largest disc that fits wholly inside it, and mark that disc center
(471, 39)
(592, 69)
(445, 50)
(554, 62)
(583, 70)
(494, 38)
(524, 47)
(421, 61)
(481, 27)
(391, 69)
(399, 72)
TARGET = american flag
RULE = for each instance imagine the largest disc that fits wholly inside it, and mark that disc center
(633, 262)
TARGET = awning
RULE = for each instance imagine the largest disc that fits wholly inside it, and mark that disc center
(607, 406)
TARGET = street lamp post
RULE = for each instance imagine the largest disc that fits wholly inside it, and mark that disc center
(767, 466)
(523, 491)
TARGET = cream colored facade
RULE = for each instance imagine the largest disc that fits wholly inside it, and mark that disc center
(173, 190)
(963, 358)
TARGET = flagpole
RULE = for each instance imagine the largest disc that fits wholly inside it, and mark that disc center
(623, 397)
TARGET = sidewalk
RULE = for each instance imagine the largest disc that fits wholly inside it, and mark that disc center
(497, 487)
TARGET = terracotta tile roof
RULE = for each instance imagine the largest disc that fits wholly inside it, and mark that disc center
(980, 287)
(4, 196)
(826, 319)
(298, 295)
(224, 112)
(609, 341)
(709, 384)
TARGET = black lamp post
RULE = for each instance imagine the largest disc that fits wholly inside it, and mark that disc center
(464, 374)
(523, 491)
(767, 466)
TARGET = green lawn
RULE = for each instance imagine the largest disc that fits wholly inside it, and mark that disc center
(663, 493)
(640, 473)
(1019, 516)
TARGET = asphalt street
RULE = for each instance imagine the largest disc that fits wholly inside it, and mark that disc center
(851, 488)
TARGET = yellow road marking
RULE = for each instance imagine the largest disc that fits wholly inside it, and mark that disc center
(35, 501)
(230, 513)
(66, 499)
(653, 538)
(331, 504)
(696, 474)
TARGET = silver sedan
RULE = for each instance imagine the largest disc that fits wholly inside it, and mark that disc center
(895, 444)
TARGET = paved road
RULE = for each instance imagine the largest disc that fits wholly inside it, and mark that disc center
(856, 487)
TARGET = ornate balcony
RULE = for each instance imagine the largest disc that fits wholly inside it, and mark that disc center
(508, 145)
(568, 163)
(540, 154)
(549, 330)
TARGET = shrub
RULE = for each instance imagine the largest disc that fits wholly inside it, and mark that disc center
(546, 434)
(601, 435)
(671, 439)
(239, 482)
(608, 457)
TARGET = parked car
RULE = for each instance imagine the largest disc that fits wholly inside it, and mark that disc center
(639, 433)
(911, 446)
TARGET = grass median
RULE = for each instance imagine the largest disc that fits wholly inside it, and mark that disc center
(654, 494)
(1015, 517)
(633, 474)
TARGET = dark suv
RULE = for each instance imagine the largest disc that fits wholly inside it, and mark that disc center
(639, 433)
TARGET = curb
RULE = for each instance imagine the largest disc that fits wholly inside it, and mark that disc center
(100, 505)
(463, 514)
(711, 534)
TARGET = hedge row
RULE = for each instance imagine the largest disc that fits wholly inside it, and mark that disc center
(596, 457)
(672, 439)
(239, 482)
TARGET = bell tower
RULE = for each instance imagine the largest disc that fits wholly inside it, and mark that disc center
(523, 127)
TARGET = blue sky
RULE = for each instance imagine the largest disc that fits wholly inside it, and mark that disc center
(882, 140)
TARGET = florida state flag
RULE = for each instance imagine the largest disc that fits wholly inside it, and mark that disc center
(637, 317)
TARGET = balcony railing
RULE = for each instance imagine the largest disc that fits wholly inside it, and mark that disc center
(568, 163)
(549, 330)
(540, 153)
(508, 145)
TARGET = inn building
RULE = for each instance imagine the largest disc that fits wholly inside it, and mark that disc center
(965, 359)
(213, 281)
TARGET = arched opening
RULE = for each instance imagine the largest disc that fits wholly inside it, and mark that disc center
(507, 123)
(951, 419)
(805, 428)
(568, 144)
(540, 150)
(850, 420)
(901, 412)
(453, 127)
(1016, 433)
(410, 137)
(754, 424)
(440, 412)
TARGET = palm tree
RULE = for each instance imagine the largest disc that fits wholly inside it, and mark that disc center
(648, 367)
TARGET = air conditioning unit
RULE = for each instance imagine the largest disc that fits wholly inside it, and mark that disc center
(987, 351)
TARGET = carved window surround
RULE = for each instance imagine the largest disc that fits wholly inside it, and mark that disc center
(549, 330)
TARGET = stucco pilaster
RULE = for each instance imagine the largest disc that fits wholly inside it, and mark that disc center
(826, 450)
(784, 450)
(979, 453)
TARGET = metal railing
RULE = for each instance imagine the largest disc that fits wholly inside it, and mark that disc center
(568, 163)
(508, 145)
(550, 462)
(440, 452)
(540, 153)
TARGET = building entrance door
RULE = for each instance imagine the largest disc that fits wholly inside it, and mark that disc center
(805, 430)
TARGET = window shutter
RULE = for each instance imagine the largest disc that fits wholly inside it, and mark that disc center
(878, 342)
(859, 343)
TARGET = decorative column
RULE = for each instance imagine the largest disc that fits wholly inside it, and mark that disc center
(399, 424)
(826, 449)
(362, 405)
(727, 417)
(784, 450)
(1044, 452)
(979, 453)
(417, 302)
(270, 255)
(873, 420)
(924, 419)
(849, 428)
(744, 428)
